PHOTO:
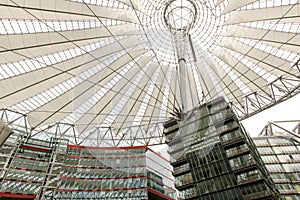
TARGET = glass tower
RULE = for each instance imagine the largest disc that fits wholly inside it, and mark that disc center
(214, 158)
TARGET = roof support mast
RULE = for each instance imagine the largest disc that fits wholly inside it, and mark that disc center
(183, 84)
(180, 16)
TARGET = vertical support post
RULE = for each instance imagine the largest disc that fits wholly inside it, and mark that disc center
(183, 84)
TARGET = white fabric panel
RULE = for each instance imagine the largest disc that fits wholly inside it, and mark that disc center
(14, 42)
(153, 109)
(215, 79)
(207, 84)
(156, 110)
(156, 96)
(134, 4)
(8, 12)
(114, 68)
(67, 10)
(295, 19)
(129, 111)
(121, 87)
(204, 87)
(132, 105)
(103, 107)
(234, 92)
(291, 48)
(171, 100)
(272, 62)
(233, 89)
(53, 111)
(117, 46)
(42, 76)
(231, 98)
(159, 83)
(21, 83)
(167, 107)
(264, 35)
(110, 75)
(138, 94)
(112, 98)
(192, 96)
(219, 2)
(67, 99)
(149, 73)
(252, 33)
(24, 54)
(235, 4)
(97, 78)
(250, 78)
(229, 85)
(175, 87)
(275, 13)
(11, 56)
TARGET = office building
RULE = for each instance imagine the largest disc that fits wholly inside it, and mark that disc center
(214, 158)
(279, 148)
(54, 169)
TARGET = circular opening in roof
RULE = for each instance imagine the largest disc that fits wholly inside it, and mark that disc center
(180, 14)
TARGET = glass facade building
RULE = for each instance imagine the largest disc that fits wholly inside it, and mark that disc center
(281, 155)
(54, 169)
(114, 173)
(214, 158)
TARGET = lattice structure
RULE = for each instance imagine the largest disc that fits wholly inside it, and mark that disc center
(114, 64)
(282, 128)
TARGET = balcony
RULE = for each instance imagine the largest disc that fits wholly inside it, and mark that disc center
(181, 171)
(190, 195)
(231, 140)
(249, 179)
(243, 165)
(288, 192)
(184, 180)
(236, 152)
(257, 195)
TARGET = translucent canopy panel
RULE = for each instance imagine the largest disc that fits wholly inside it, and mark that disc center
(110, 68)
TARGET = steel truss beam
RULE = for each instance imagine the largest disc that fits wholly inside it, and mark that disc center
(130, 136)
(281, 89)
(100, 136)
(278, 128)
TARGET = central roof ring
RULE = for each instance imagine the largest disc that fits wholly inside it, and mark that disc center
(180, 15)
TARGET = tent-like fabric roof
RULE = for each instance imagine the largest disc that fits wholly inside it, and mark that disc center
(111, 65)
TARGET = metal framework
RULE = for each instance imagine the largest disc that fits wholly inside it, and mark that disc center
(278, 128)
(281, 89)
(115, 64)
